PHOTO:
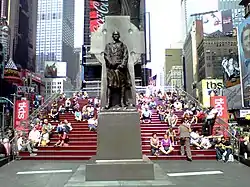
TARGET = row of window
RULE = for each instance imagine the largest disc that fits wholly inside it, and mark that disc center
(53, 87)
(52, 91)
(221, 43)
(49, 16)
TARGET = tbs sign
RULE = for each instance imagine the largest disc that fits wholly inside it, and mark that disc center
(214, 87)
(211, 87)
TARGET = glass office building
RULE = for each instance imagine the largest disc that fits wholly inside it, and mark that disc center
(237, 10)
(55, 32)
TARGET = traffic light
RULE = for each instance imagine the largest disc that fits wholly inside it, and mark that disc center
(1, 61)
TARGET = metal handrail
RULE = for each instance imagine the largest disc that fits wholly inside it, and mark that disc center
(220, 123)
(31, 118)
(44, 105)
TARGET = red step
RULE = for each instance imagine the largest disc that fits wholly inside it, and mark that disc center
(77, 143)
(83, 143)
(70, 147)
(82, 138)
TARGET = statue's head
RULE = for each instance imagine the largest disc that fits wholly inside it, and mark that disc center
(116, 36)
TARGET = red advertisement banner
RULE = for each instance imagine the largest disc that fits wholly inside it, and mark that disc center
(22, 115)
(220, 104)
(98, 11)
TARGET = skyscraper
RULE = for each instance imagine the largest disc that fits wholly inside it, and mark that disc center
(21, 16)
(237, 10)
(55, 33)
(24, 42)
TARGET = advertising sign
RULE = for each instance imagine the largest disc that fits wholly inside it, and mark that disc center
(100, 9)
(210, 87)
(244, 113)
(212, 22)
(21, 115)
(231, 70)
(227, 21)
(220, 104)
(244, 59)
(233, 94)
(55, 69)
(97, 13)
(220, 21)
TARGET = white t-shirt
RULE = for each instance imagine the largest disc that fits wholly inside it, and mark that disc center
(194, 137)
(92, 121)
(45, 137)
(212, 113)
(34, 135)
(205, 142)
(19, 143)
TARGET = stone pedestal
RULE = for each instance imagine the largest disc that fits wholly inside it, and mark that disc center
(119, 152)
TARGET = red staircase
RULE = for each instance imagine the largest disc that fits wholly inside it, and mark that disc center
(83, 143)
(160, 128)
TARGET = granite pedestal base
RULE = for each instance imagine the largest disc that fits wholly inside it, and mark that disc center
(119, 152)
(119, 171)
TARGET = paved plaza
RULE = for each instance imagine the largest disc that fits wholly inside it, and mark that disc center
(176, 173)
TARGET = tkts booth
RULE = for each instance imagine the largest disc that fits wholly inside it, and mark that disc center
(220, 104)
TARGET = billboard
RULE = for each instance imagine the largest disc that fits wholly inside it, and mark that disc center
(234, 98)
(55, 69)
(244, 59)
(97, 13)
(220, 21)
(227, 21)
(231, 70)
(210, 87)
(100, 9)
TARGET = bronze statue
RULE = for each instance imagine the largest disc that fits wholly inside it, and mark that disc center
(118, 77)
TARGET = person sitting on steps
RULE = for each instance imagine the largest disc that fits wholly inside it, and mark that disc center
(154, 143)
(166, 145)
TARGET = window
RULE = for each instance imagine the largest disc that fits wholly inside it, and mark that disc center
(43, 16)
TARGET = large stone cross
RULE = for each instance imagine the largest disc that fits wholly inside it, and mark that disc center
(130, 35)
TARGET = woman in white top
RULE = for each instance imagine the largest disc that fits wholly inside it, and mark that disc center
(44, 138)
(195, 139)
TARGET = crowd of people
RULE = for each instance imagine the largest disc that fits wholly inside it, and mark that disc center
(172, 108)
(42, 127)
